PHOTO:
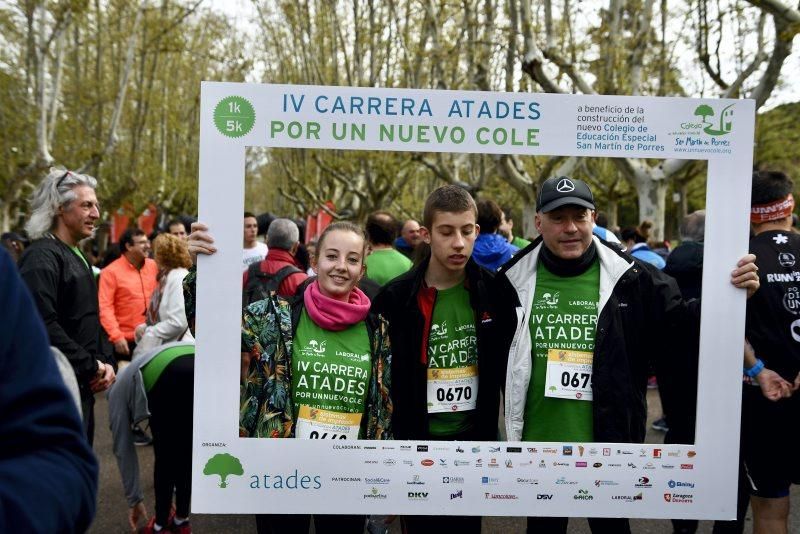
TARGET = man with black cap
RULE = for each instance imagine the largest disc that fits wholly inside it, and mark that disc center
(590, 312)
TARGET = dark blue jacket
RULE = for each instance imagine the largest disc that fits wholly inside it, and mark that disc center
(401, 246)
(492, 250)
(48, 473)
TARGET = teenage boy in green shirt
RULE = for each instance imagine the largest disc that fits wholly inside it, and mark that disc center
(446, 367)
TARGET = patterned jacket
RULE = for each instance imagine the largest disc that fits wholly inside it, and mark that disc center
(266, 408)
(266, 404)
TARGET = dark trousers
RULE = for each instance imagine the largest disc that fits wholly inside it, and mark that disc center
(422, 524)
(171, 402)
(87, 413)
(558, 525)
(299, 524)
(127, 357)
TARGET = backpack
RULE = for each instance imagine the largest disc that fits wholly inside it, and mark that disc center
(261, 284)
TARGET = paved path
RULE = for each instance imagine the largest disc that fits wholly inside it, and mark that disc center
(112, 509)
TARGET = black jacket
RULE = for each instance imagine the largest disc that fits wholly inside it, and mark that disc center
(685, 265)
(642, 320)
(397, 302)
(65, 292)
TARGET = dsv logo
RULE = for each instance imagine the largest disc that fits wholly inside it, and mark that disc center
(544, 496)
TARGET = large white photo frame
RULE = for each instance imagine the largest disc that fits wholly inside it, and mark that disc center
(382, 477)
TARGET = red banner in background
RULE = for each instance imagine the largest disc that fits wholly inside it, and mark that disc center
(121, 220)
(316, 224)
(147, 220)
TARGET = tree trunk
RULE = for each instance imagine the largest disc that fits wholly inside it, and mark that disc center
(652, 196)
(612, 211)
(528, 220)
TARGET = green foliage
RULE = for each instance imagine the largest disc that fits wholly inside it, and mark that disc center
(153, 156)
(777, 139)
(223, 465)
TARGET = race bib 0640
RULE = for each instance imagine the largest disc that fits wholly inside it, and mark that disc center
(313, 423)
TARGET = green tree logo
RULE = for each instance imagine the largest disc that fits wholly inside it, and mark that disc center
(703, 111)
(724, 124)
(223, 465)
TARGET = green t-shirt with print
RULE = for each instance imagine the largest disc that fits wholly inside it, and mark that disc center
(385, 264)
(330, 378)
(452, 364)
(563, 322)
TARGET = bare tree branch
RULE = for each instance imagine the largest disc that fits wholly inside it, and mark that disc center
(532, 58)
(779, 10)
(111, 140)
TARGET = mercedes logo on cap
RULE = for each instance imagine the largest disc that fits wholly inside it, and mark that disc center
(565, 185)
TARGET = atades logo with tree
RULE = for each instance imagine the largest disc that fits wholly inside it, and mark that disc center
(223, 465)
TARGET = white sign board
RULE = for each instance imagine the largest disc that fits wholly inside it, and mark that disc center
(396, 477)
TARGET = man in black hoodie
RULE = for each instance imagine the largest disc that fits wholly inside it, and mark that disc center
(64, 210)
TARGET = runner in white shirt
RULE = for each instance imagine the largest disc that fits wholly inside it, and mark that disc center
(253, 250)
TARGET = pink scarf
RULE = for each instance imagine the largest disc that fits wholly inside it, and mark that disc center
(332, 314)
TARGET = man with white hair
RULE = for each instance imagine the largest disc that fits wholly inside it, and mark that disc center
(64, 210)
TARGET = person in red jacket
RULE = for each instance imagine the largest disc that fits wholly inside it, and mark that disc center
(282, 240)
(125, 289)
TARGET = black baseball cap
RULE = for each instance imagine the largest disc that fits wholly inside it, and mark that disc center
(562, 191)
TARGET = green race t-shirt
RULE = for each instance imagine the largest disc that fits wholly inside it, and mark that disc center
(330, 378)
(520, 242)
(562, 323)
(384, 264)
(452, 364)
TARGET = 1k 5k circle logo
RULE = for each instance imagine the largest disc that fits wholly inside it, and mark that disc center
(234, 116)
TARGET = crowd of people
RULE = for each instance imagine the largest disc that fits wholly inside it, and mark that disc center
(375, 300)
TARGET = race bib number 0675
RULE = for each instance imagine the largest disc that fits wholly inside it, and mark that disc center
(569, 374)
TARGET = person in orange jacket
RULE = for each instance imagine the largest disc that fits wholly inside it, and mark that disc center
(125, 289)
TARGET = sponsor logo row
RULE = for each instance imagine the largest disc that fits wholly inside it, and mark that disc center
(512, 463)
(581, 495)
(642, 482)
(581, 451)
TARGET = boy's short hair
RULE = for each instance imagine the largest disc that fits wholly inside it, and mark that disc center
(489, 216)
(381, 228)
(448, 198)
(770, 186)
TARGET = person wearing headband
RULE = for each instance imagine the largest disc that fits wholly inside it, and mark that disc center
(769, 427)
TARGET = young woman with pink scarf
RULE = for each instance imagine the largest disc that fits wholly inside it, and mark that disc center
(316, 366)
